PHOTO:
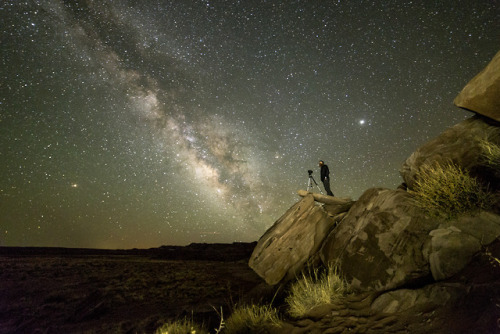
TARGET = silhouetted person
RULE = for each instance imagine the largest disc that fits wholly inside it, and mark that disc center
(325, 177)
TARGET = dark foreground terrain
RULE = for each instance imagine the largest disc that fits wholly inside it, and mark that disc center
(57, 290)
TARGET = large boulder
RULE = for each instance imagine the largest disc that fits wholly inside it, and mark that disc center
(482, 93)
(288, 245)
(451, 251)
(467, 303)
(428, 297)
(454, 243)
(382, 243)
(385, 242)
(335, 206)
(460, 144)
(326, 199)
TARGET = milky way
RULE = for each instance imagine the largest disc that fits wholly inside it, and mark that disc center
(144, 123)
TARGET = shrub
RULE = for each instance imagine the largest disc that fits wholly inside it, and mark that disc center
(181, 327)
(253, 319)
(448, 191)
(314, 289)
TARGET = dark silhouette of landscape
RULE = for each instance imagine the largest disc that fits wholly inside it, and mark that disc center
(64, 290)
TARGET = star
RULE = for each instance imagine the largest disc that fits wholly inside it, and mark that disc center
(151, 123)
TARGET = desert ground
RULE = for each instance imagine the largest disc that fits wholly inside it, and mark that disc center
(57, 290)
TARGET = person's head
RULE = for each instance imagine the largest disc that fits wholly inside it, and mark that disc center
(321, 163)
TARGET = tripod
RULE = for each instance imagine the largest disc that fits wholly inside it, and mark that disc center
(311, 181)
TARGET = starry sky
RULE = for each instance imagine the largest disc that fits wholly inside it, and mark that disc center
(143, 123)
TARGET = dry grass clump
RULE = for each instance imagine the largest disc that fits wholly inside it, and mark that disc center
(448, 191)
(490, 153)
(253, 319)
(314, 289)
(181, 327)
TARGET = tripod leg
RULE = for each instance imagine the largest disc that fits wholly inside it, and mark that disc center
(316, 185)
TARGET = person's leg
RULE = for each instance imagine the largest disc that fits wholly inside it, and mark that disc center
(326, 184)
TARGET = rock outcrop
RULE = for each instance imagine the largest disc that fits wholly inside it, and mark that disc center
(405, 299)
(325, 199)
(385, 242)
(382, 243)
(461, 145)
(336, 207)
(295, 238)
(454, 243)
(482, 93)
(395, 257)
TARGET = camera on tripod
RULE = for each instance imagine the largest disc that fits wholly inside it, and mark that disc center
(311, 182)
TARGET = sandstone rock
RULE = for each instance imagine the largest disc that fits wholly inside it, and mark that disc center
(338, 218)
(485, 227)
(459, 144)
(334, 206)
(293, 239)
(382, 243)
(451, 251)
(454, 243)
(325, 198)
(429, 297)
(482, 93)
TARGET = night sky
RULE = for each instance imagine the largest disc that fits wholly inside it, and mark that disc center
(146, 123)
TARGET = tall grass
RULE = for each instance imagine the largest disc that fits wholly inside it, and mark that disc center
(181, 327)
(253, 319)
(490, 153)
(448, 191)
(314, 289)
